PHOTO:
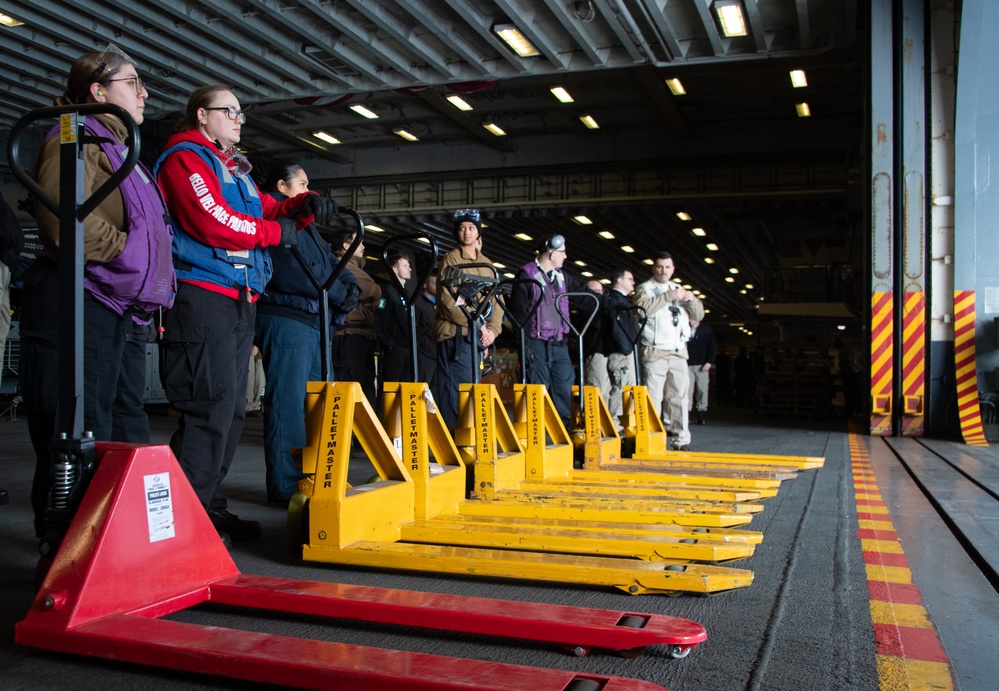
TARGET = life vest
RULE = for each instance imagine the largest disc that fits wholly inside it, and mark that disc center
(547, 323)
(194, 260)
(141, 277)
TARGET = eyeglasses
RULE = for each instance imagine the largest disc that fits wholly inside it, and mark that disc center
(231, 113)
(472, 214)
(136, 83)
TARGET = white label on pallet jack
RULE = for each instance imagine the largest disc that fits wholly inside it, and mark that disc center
(159, 506)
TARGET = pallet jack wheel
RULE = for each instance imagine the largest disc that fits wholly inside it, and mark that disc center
(298, 521)
(632, 622)
(678, 652)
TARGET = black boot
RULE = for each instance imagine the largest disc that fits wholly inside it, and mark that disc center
(700, 417)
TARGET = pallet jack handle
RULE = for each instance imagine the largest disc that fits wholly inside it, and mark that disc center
(325, 341)
(532, 308)
(643, 319)
(475, 313)
(72, 448)
(410, 298)
(579, 335)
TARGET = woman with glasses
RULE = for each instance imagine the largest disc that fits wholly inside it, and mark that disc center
(128, 273)
(222, 229)
(451, 328)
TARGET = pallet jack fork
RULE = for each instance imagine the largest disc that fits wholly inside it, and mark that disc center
(650, 445)
(374, 525)
(141, 518)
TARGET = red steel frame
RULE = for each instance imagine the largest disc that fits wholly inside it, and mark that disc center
(111, 583)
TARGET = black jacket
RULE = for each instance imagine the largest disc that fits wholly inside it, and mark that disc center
(701, 346)
(392, 318)
(619, 328)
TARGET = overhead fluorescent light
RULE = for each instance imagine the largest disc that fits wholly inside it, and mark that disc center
(730, 16)
(7, 20)
(729, 279)
(733, 270)
(495, 129)
(749, 286)
(580, 262)
(588, 274)
(743, 292)
(627, 249)
(499, 266)
(425, 241)
(590, 123)
(518, 43)
(409, 137)
(326, 137)
(683, 215)
(582, 220)
(606, 234)
(709, 260)
(798, 79)
(685, 286)
(361, 110)
(712, 246)
(676, 86)
(523, 236)
(458, 102)
(803, 110)
(561, 94)
(648, 262)
(699, 232)
(841, 327)
(374, 229)
(508, 275)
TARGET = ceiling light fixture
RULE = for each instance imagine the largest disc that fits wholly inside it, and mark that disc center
(627, 249)
(326, 137)
(730, 16)
(495, 129)
(361, 110)
(648, 262)
(606, 234)
(508, 275)
(712, 246)
(8, 21)
(588, 274)
(499, 266)
(798, 79)
(590, 123)
(749, 286)
(458, 102)
(699, 232)
(683, 215)
(709, 260)
(561, 94)
(675, 86)
(374, 229)
(582, 220)
(518, 43)
(733, 270)
(406, 135)
(803, 110)
(580, 262)
(729, 279)
(523, 236)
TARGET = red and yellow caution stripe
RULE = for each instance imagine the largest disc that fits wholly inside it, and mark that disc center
(909, 653)
(913, 363)
(882, 333)
(968, 409)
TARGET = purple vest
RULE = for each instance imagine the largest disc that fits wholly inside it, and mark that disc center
(546, 322)
(142, 276)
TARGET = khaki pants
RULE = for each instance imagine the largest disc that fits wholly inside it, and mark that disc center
(666, 377)
(595, 374)
(697, 392)
(621, 372)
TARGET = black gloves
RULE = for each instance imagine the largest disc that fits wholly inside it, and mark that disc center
(351, 299)
(289, 231)
(323, 208)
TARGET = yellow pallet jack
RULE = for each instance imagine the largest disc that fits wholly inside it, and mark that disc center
(651, 448)
(376, 524)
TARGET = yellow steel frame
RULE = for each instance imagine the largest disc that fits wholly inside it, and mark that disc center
(367, 525)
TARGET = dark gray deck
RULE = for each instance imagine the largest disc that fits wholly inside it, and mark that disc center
(803, 624)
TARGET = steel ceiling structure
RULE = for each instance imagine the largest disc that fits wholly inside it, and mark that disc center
(731, 152)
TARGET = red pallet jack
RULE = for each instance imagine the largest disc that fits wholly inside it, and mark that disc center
(130, 514)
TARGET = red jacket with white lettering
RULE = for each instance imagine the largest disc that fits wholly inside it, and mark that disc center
(232, 230)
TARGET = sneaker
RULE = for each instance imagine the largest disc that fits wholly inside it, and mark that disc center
(237, 528)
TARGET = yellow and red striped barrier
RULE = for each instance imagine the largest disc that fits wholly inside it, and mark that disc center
(882, 331)
(913, 363)
(968, 409)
